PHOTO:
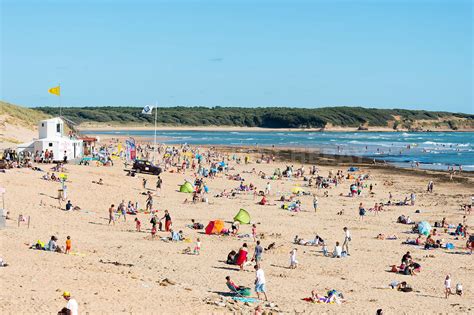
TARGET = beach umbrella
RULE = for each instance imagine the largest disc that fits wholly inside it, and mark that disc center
(424, 228)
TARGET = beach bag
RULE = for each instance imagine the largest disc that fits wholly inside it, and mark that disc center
(449, 246)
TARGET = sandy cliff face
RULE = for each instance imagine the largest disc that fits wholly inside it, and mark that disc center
(17, 124)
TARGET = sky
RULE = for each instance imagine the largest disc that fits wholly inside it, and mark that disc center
(414, 54)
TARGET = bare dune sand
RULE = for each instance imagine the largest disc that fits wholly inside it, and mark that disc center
(34, 280)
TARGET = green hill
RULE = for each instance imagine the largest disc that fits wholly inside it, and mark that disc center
(278, 117)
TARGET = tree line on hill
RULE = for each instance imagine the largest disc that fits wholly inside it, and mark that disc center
(265, 117)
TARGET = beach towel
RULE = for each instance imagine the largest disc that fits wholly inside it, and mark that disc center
(244, 299)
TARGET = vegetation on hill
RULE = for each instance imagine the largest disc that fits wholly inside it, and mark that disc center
(21, 116)
(269, 117)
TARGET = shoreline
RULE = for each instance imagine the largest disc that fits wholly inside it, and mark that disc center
(289, 153)
(292, 150)
(85, 128)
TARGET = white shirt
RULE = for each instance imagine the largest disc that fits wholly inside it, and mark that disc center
(348, 234)
(447, 283)
(72, 306)
(293, 256)
(338, 251)
(260, 276)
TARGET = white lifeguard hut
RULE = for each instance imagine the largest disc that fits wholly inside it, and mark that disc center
(52, 138)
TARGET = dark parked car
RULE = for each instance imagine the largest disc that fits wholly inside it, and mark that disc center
(143, 166)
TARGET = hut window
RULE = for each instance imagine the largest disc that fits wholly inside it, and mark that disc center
(58, 127)
(50, 144)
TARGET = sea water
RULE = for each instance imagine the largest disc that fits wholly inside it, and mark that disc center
(432, 150)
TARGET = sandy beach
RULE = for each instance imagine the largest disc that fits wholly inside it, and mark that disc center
(34, 280)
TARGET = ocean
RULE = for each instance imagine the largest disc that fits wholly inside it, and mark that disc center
(432, 150)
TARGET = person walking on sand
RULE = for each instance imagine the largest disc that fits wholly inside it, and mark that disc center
(447, 286)
(347, 239)
(260, 282)
(315, 203)
(112, 214)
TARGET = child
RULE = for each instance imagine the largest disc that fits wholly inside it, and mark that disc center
(153, 231)
(254, 232)
(68, 245)
(197, 249)
(459, 290)
(447, 286)
(293, 261)
(138, 225)
(325, 250)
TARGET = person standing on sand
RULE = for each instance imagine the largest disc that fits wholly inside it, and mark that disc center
(144, 183)
(149, 202)
(159, 182)
(412, 198)
(361, 211)
(347, 239)
(72, 307)
(168, 222)
(268, 188)
(257, 254)
(315, 203)
(430, 186)
(447, 286)
(260, 282)
(122, 210)
(293, 261)
(112, 214)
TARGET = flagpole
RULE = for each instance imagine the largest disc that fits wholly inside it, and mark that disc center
(154, 140)
(60, 113)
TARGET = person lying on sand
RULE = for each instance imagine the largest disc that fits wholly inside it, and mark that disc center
(400, 286)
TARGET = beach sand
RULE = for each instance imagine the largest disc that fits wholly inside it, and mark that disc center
(34, 280)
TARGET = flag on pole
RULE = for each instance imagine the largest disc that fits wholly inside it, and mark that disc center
(147, 110)
(55, 90)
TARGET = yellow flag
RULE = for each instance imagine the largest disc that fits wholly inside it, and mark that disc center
(55, 90)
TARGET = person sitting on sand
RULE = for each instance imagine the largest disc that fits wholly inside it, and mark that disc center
(232, 286)
(406, 258)
(337, 253)
(234, 229)
(231, 257)
(52, 246)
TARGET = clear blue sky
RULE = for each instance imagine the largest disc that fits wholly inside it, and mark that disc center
(406, 54)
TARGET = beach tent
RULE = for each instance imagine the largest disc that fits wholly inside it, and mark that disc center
(187, 187)
(297, 190)
(214, 227)
(424, 228)
(242, 216)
